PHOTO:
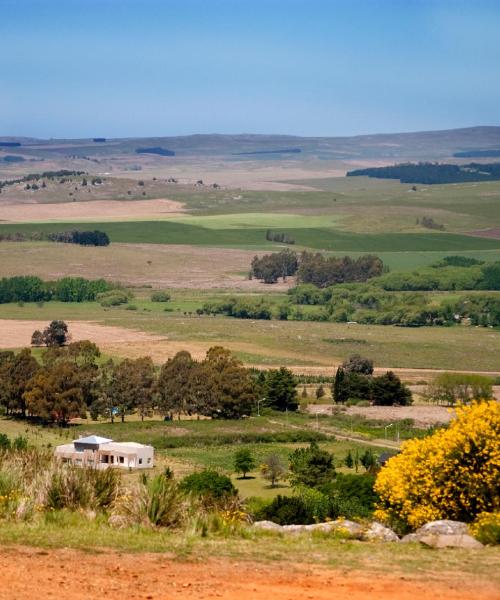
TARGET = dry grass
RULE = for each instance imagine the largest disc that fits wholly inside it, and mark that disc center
(172, 266)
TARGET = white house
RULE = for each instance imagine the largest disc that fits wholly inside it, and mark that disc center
(101, 453)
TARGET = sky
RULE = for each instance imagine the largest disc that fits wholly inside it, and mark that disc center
(127, 68)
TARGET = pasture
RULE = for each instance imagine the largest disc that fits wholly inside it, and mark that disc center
(265, 343)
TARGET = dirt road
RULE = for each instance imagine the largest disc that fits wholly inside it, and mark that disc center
(28, 574)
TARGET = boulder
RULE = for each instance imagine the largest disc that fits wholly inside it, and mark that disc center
(268, 526)
(437, 540)
(323, 527)
(443, 527)
(349, 528)
(379, 533)
(294, 528)
(409, 538)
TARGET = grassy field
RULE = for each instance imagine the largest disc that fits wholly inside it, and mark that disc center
(279, 342)
(321, 238)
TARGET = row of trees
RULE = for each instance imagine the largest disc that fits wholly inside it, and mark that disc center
(354, 382)
(315, 268)
(70, 382)
(84, 238)
(30, 288)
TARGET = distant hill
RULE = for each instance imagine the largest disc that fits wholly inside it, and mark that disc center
(397, 147)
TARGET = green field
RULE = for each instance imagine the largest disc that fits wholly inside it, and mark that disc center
(171, 232)
(284, 342)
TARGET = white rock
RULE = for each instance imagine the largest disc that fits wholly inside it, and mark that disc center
(436, 540)
(380, 533)
(268, 526)
(443, 527)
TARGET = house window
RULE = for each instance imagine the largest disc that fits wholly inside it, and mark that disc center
(122, 460)
(140, 461)
(149, 460)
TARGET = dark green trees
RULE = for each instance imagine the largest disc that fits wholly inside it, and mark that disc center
(280, 389)
(311, 466)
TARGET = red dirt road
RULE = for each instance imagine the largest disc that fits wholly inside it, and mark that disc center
(28, 574)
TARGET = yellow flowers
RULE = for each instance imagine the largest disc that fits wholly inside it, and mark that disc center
(454, 473)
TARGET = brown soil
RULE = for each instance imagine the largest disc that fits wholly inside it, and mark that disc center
(95, 209)
(14, 334)
(28, 574)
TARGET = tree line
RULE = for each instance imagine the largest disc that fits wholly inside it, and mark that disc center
(72, 381)
(315, 268)
(29, 288)
(432, 173)
(83, 238)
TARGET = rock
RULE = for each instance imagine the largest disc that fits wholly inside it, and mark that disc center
(443, 527)
(410, 537)
(350, 528)
(379, 533)
(294, 528)
(323, 527)
(268, 526)
(437, 540)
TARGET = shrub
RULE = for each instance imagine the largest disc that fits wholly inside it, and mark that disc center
(157, 502)
(286, 510)
(351, 495)
(452, 474)
(160, 296)
(208, 484)
(316, 503)
(243, 461)
(113, 298)
(311, 466)
(486, 528)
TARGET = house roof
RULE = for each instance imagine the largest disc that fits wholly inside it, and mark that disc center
(92, 439)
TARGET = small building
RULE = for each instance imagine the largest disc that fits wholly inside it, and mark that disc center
(101, 453)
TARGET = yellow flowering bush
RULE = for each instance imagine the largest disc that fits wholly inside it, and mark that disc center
(452, 474)
(486, 528)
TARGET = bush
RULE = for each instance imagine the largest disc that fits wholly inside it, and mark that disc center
(351, 495)
(286, 510)
(156, 502)
(316, 503)
(208, 484)
(452, 474)
(486, 528)
(113, 298)
(160, 296)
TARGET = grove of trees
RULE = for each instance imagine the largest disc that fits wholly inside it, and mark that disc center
(354, 382)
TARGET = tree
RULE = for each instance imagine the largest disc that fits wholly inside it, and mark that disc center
(320, 392)
(388, 390)
(304, 392)
(358, 364)
(131, 386)
(54, 393)
(173, 383)
(368, 460)
(349, 461)
(280, 389)
(311, 466)
(339, 389)
(16, 370)
(447, 388)
(37, 338)
(56, 334)
(273, 469)
(236, 392)
(243, 462)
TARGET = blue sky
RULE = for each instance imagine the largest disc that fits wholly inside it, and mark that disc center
(117, 68)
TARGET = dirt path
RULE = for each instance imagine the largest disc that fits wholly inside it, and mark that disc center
(28, 574)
